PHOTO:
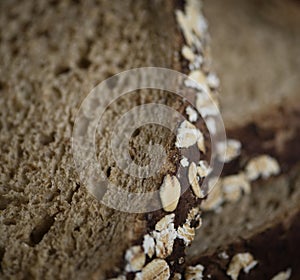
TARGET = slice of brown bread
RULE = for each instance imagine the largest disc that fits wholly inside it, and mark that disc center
(274, 249)
(54, 53)
(265, 120)
(255, 50)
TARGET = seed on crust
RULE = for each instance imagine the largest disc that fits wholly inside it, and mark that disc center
(157, 269)
(193, 180)
(149, 245)
(206, 105)
(201, 80)
(170, 193)
(186, 233)
(177, 276)
(188, 53)
(194, 272)
(234, 185)
(263, 166)
(194, 215)
(213, 80)
(164, 236)
(135, 259)
(201, 144)
(214, 198)
(187, 135)
(192, 114)
(164, 241)
(164, 222)
(229, 150)
(184, 162)
(283, 275)
(240, 261)
(203, 169)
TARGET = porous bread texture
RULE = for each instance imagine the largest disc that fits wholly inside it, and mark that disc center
(53, 53)
(256, 54)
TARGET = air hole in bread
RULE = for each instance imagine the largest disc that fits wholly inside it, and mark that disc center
(61, 69)
(41, 229)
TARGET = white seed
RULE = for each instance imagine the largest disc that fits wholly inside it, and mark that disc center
(164, 236)
(214, 199)
(206, 105)
(187, 135)
(149, 245)
(229, 150)
(212, 80)
(193, 180)
(164, 241)
(192, 114)
(164, 222)
(201, 144)
(135, 259)
(234, 185)
(239, 261)
(200, 79)
(194, 272)
(263, 166)
(283, 275)
(194, 215)
(177, 276)
(170, 193)
(186, 233)
(223, 255)
(188, 53)
(203, 169)
(155, 270)
(184, 162)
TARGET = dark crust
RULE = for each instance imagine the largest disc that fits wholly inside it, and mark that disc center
(276, 249)
(187, 200)
(259, 137)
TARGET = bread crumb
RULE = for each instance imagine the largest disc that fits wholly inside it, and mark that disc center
(184, 162)
(240, 261)
(223, 255)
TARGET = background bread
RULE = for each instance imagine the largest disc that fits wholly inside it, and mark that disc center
(255, 50)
